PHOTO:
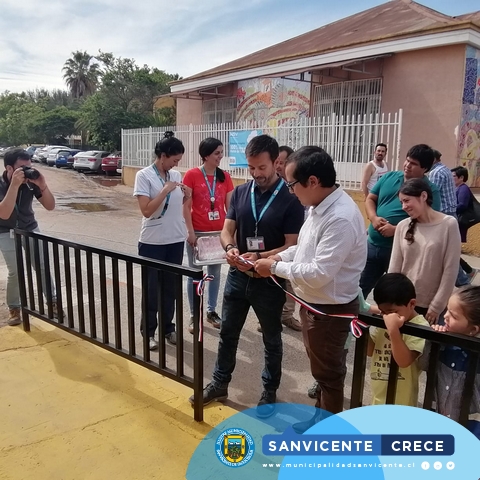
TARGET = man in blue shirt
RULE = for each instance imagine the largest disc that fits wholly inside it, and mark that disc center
(263, 220)
(384, 211)
(442, 177)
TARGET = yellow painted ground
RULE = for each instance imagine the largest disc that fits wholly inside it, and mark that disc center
(70, 410)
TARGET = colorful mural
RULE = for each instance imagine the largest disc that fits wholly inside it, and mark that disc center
(469, 129)
(272, 101)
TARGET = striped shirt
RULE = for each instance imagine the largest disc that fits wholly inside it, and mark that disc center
(442, 177)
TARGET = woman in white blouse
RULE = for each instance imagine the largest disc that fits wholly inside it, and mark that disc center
(160, 194)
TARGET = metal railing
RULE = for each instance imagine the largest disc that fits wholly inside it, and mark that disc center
(469, 344)
(110, 291)
(350, 140)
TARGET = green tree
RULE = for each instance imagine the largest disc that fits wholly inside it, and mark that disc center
(55, 125)
(124, 99)
(81, 74)
(16, 124)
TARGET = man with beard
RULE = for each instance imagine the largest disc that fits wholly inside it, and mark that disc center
(375, 169)
(263, 220)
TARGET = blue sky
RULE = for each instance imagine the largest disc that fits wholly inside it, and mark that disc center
(183, 36)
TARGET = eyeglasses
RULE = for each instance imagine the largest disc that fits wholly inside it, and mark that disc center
(290, 185)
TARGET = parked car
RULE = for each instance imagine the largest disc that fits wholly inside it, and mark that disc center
(3, 150)
(119, 166)
(42, 153)
(110, 163)
(91, 160)
(66, 158)
(31, 150)
(52, 154)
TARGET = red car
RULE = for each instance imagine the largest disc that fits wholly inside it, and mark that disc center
(110, 163)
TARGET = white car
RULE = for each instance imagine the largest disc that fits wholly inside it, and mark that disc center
(91, 160)
(42, 153)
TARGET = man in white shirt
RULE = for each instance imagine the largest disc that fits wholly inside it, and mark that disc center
(374, 169)
(324, 267)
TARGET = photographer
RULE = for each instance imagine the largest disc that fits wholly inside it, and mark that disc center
(18, 185)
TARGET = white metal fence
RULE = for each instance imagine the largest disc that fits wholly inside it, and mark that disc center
(349, 140)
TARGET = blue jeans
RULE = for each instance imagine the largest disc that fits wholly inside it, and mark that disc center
(378, 259)
(213, 286)
(172, 253)
(266, 299)
(7, 247)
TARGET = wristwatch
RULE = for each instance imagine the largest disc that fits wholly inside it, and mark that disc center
(273, 267)
(230, 246)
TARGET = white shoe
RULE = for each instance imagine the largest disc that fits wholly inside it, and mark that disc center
(152, 344)
(171, 338)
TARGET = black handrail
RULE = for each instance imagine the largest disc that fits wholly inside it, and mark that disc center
(47, 250)
(469, 344)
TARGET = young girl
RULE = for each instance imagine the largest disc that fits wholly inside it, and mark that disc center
(426, 248)
(463, 317)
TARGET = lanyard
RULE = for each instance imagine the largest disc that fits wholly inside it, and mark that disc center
(211, 190)
(265, 208)
(162, 181)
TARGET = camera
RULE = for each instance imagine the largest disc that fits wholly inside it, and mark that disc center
(30, 173)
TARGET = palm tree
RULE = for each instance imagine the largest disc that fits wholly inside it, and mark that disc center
(81, 76)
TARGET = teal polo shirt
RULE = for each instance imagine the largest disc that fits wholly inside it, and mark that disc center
(389, 206)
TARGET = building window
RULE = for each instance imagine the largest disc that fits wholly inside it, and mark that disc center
(359, 97)
(219, 110)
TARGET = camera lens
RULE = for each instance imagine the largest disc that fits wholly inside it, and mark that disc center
(31, 173)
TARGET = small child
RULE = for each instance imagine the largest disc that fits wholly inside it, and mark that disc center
(463, 317)
(395, 296)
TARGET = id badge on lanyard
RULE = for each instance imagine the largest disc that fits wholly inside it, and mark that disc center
(257, 243)
(167, 199)
(212, 214)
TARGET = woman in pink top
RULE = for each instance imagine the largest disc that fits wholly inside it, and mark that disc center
(426, 248)
(205, 212)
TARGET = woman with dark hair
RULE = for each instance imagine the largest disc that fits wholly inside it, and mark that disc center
(160, 194)
(205, 212)
(426, 248)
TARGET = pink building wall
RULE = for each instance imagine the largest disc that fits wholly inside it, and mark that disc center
(428, 86)
(189, 111)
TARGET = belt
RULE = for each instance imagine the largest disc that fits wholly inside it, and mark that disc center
(252, 274)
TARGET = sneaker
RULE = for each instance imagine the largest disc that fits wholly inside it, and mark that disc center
(214, 319)
(152, 344)
(292, 323)
(312, 391)
(302, 427)
(55, 310)
(266, 405)
(212, 394)
(472, 275)
(190, 326)
(14, 317)
(171, 338)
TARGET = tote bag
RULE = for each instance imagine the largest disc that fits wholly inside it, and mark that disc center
(471, 216)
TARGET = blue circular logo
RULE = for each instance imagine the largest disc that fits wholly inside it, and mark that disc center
(234, 447)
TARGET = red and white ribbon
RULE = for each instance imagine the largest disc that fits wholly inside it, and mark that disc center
(200, 289)
(356, 325)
